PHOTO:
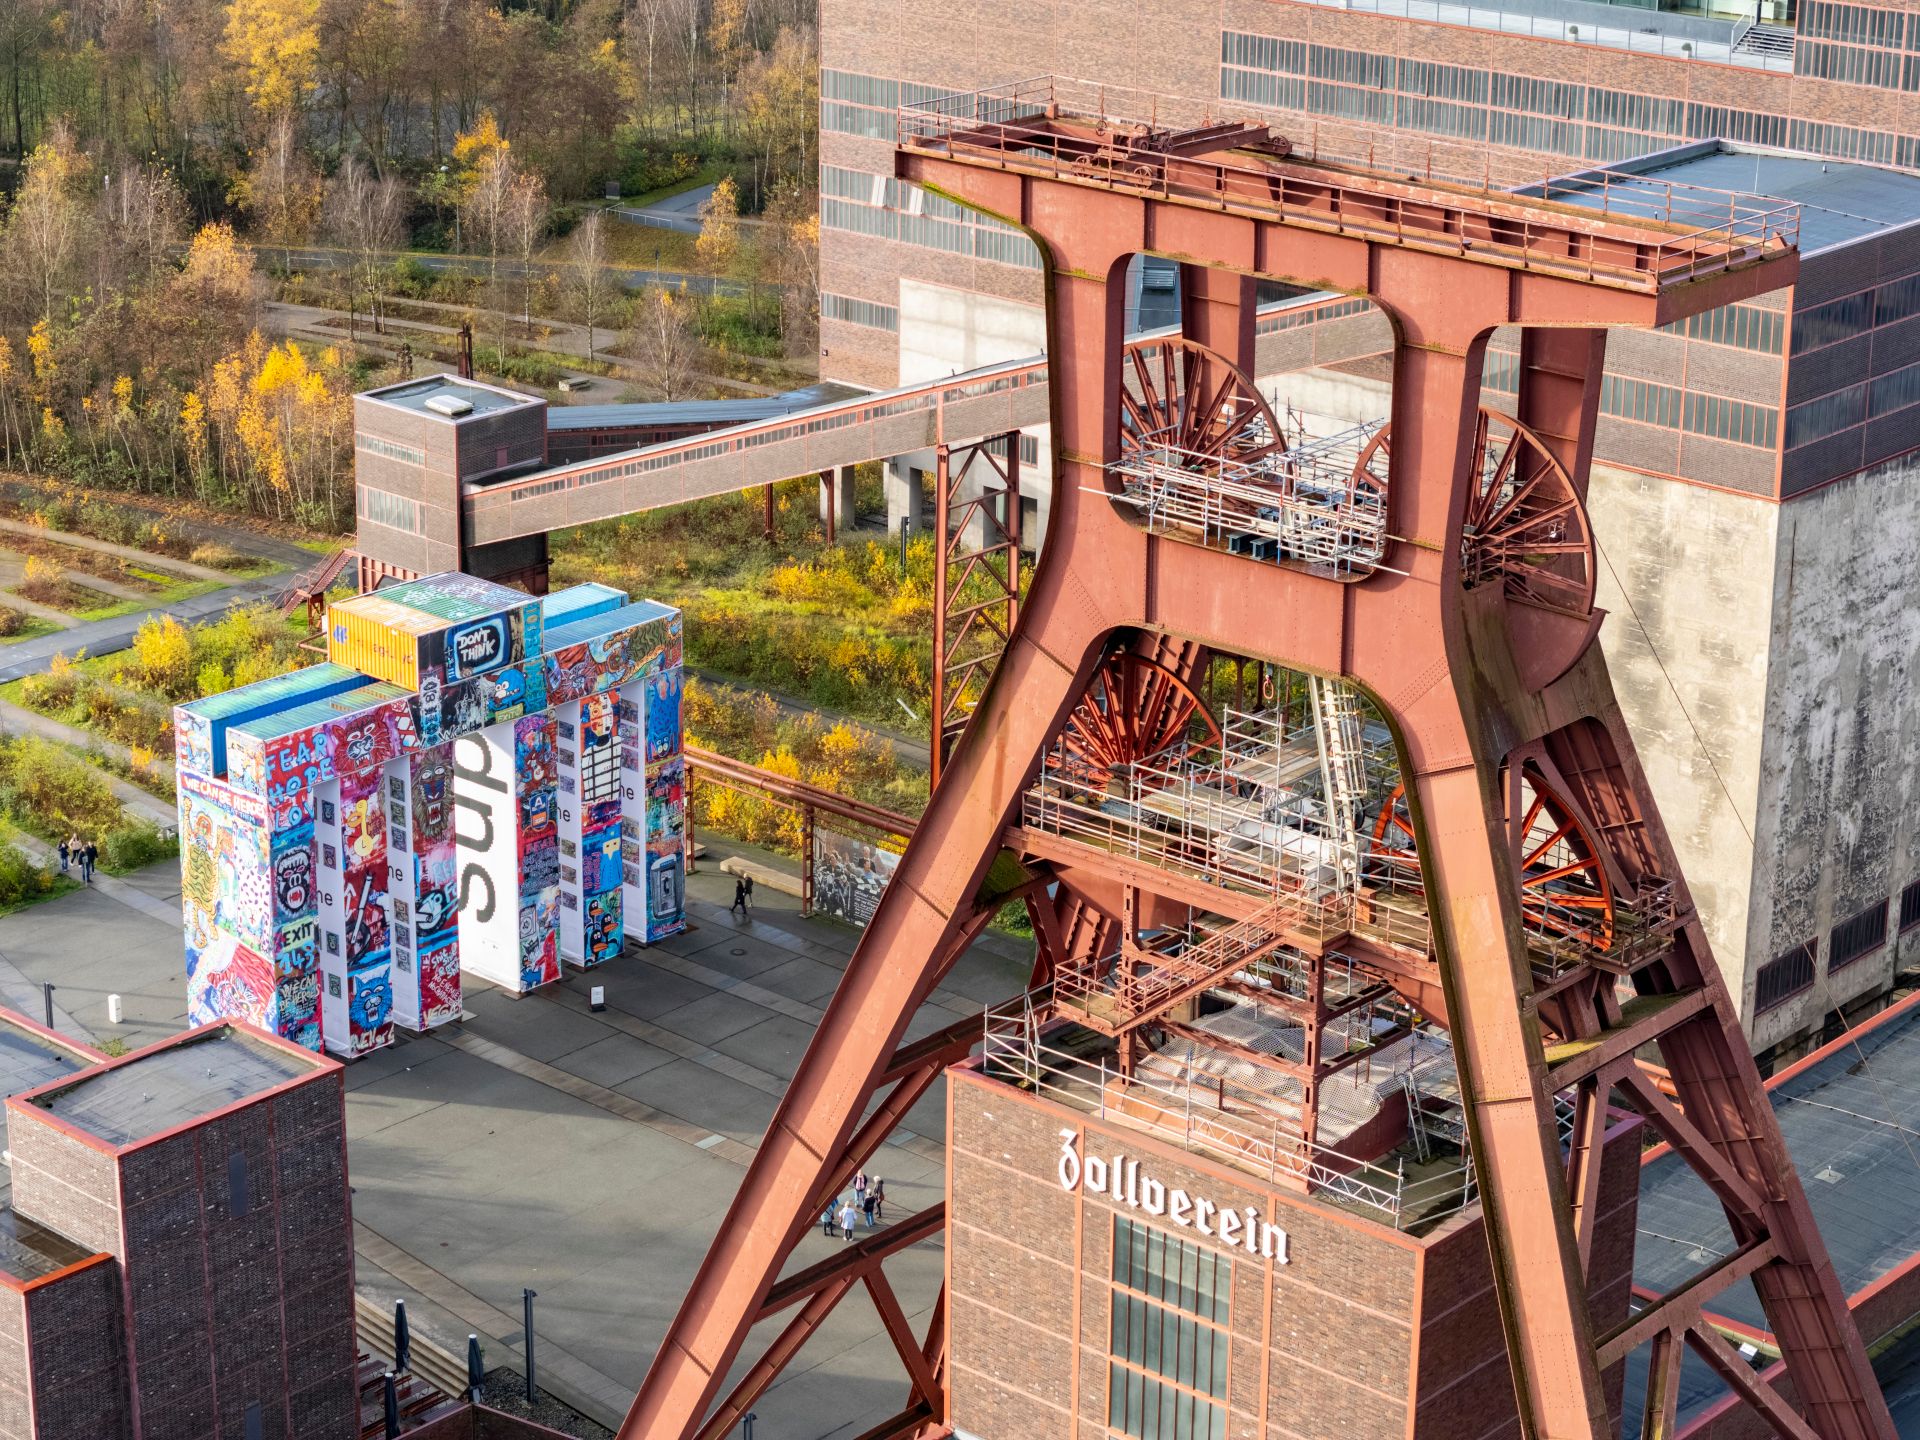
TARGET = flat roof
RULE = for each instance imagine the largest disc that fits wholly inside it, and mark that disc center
(1840, 201)
(319, 712)
(30, 1251)
(712, 413)
(1851, 1120)
(173, 1084)
(439, 600)
(485, 399)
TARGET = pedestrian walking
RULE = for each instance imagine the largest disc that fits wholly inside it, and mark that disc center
(66, 852)
(826, 1221)
(89, 857)
(749, 899)
(878, 1194)
(848, 1217)
(739, 895)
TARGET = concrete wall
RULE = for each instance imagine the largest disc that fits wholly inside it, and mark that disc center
(1835, 832)
(1687, 640)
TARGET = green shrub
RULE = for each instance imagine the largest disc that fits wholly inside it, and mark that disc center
(21, 880)
(134, 845)
(12, 621)
(52, 791)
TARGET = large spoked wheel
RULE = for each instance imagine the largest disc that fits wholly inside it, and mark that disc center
(1564, 889)
(1133, 712)
(1187, 405)
(1370, 469)
(1526, 525)
(1565, 893)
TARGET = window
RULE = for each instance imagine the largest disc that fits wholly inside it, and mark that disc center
(374, 445)
(858, 312)
(1832, 322)
(1893, 391)
(1167, 1374)
(1910, 907)
(1858, 935)
(237, 1187)
(1783, 977)
(396, 512)
(1745, 327)
(1828, 415)
(254, 1424)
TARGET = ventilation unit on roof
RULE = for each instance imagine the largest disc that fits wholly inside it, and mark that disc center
(451, 406)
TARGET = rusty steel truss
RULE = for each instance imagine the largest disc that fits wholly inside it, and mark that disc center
(1518, 889)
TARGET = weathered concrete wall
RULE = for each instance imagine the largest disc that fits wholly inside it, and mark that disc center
(1837, 786)
(1687, 637)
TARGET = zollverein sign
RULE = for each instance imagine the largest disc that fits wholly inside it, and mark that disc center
(1119, 1179)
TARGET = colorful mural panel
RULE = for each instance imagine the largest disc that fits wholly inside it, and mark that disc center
(463, 800)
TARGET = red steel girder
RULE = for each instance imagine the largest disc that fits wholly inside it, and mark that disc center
(1455, 671)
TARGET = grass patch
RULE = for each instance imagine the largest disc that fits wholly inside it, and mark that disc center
(23, 880)
(17, 625)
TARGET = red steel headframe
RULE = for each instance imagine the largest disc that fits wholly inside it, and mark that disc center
(1483, 662)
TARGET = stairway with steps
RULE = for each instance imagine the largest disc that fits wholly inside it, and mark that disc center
(1116, 1001)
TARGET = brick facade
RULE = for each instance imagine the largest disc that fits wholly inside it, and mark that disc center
(1366, 1332)
(220, 1302)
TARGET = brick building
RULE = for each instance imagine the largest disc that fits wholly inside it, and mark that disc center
(177, 1259)
(1159, 1278)
(1751, 492)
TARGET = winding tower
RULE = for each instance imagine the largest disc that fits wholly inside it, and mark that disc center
(1473, 850)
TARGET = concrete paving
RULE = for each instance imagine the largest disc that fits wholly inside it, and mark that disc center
(588, 1156)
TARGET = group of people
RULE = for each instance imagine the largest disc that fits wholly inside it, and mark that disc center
(868, 1202)
(84, 853)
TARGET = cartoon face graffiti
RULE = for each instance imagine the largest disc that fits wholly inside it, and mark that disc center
(293, 880)
(434, 907)
(361, 745)
(509, 694)
(372, 1003)
(430, 799)
(529, 932)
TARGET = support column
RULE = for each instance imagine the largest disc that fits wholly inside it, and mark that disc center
(905, 486)
(836, 501)
(1559, 389)
(1216, 310)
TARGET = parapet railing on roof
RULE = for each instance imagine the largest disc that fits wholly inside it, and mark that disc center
(1603, 226)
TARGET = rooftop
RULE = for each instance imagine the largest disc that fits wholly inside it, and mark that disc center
(173, 1084)
(711, 413)
(434, 601)
(29, 1251)
(1840, 201)
(451, 391)
(318, 712)
(1851, 1120)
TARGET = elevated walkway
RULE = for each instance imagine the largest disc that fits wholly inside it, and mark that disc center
(867, 427)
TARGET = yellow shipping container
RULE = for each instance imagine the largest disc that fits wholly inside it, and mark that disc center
(378, 638)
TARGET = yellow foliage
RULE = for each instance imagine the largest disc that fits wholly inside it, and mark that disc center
(193, 429)
(163, 651)
(42, 571)
(218, 265)
(140, 757)
(277, 42)
(40, 351)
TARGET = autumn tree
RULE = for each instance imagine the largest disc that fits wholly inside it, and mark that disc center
(276, 44)
(44, 227)
(663, 342)
(719, 244)
(780, 106)
(145, 217)
(281, 192)
(367, 214)
(790, 242)
(525, 221)
(593, 282)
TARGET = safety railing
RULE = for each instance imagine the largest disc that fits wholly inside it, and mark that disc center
(1303, 506)
(1146, 982)
(1636, 232)
(1205, 1117)
(864, 410)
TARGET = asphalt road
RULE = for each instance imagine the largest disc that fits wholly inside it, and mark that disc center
(322, 257)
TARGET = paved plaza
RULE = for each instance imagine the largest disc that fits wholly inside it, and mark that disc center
(588, 1156)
